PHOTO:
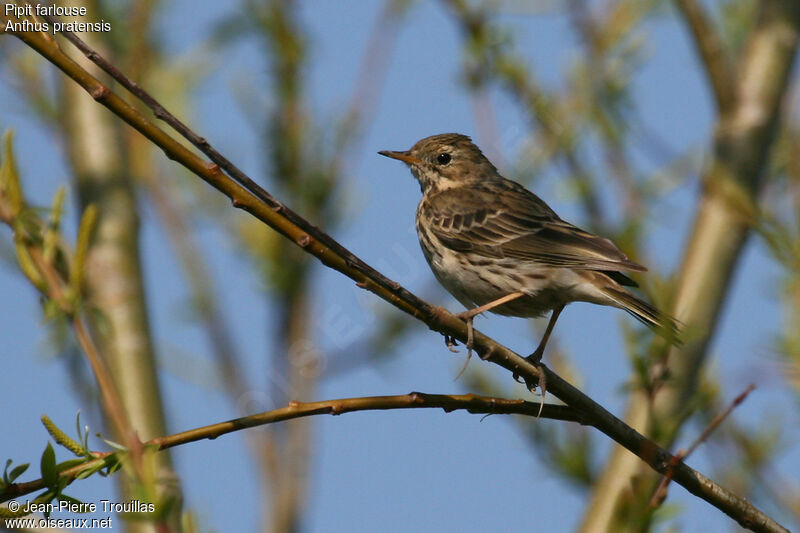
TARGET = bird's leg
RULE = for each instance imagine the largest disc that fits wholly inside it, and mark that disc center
(536, 356)
(469, 315)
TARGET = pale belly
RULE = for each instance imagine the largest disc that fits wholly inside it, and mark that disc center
(475, 281)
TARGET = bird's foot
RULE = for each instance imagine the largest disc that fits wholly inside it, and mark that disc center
(449, 340)
(535, 359)
(467, 316)
(451, 343)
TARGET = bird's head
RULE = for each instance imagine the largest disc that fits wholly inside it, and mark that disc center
(445, 161)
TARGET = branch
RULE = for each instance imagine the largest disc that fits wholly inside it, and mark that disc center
(731, 181)
(661, 491)
(416, 400)
(269, 210)
(712, 53)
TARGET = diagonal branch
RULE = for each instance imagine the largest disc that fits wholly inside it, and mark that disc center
(712, 53)
(269, 210)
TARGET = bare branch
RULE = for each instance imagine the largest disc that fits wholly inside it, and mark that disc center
(661, 491)
(416, 400)
(712, 53)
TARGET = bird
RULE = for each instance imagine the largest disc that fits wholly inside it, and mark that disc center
(497, 247)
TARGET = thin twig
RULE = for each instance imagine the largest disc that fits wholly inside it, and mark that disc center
(712, 53)
(416, 400)
(108, 392)
(661, 491)
(111, 400)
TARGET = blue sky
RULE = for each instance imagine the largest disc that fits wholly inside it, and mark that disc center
(398, 471)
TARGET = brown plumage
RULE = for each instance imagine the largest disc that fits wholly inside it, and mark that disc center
(488, 238)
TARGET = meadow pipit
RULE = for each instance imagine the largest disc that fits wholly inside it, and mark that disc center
(498, 247)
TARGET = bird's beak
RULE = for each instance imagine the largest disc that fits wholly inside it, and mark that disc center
(402, 156)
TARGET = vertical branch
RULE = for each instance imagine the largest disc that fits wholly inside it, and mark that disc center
(712, 52)
(114, 276)
(735, 176)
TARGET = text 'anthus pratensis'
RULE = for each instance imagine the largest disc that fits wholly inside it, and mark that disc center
(498, 247)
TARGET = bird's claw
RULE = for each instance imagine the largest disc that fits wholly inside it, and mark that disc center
(467, 317)
(450, 342)
(535, 358)
(531, 384)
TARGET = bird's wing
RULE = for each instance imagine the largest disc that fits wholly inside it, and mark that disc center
(505, 220)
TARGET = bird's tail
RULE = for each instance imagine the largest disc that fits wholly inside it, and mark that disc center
(660, 322)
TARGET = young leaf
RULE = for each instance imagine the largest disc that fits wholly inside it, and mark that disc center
(17, 471)
(9, 177)
(85, 231)
(80, 505)
(48, 467)
(26, 263)
(69, 463)
(5, 471)
(53, 226)
(83, 435)
(88, 471)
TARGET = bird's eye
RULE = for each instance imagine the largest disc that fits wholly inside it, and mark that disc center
(443, 158)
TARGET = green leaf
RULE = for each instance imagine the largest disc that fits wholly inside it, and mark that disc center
(81, 506)
(9, 177)
(113, 468)
(115, 445)
(83, 436)
(5, 471)
(60, 467)
(48, 466)
(26, 263)
(18, 471)
(45, 497)
(86, 472)
(85, 231)
(61, 483)
(53, 226)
